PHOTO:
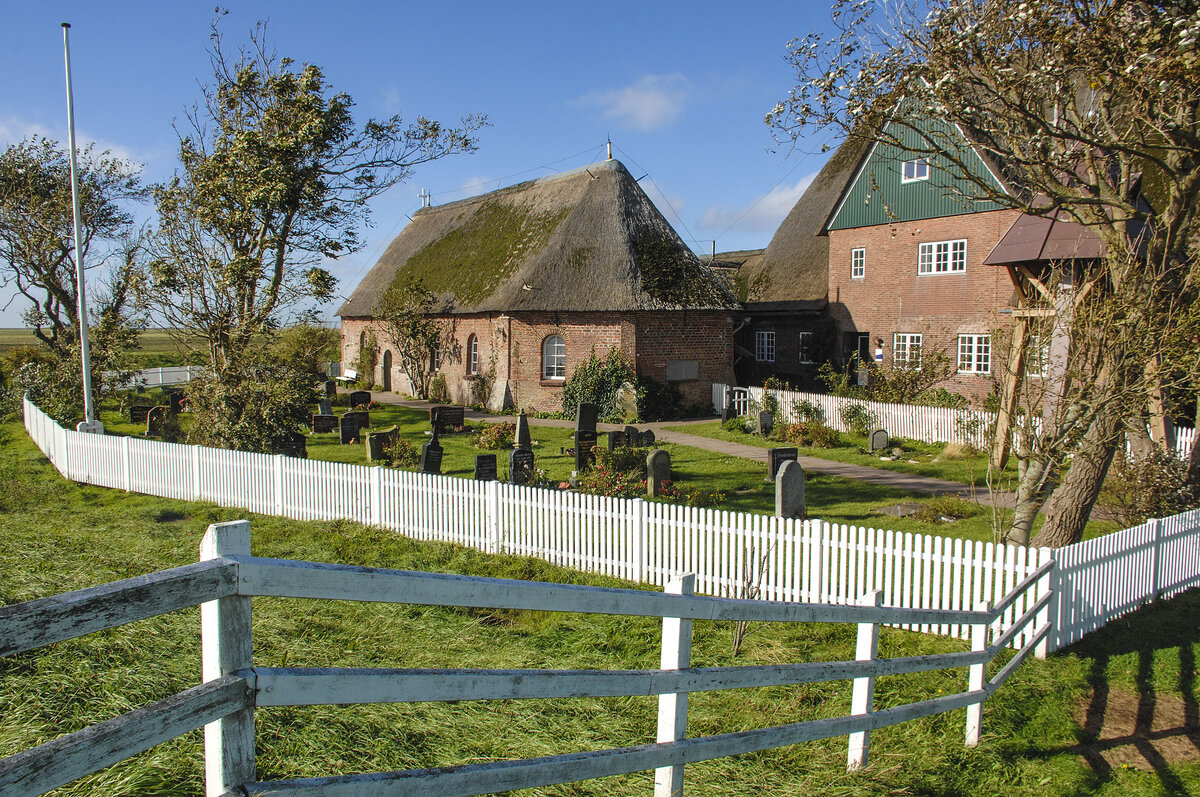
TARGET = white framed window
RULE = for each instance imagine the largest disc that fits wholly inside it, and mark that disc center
(914, 170)
(435, 357)
(764, 345)
(804, 344)
(906, 350)
(1037, 357)
(472, 355)
(974, 354)
(942, 257)
(554, 358)
(858, 263)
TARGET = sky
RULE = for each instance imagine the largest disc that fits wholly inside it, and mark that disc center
(680, 89)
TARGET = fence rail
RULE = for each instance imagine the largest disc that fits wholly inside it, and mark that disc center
(733, 554)
(224, 704)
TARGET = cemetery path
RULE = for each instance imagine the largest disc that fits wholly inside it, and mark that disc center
(927, 485)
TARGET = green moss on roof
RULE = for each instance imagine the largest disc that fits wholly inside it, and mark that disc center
(472, 260)
(673, 276)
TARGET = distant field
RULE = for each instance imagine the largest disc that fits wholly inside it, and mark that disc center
(158, 348)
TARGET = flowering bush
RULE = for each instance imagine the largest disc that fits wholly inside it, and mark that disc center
(496, 436)
(690, 496)
(816, 435)
(401, 454)
(603, 480)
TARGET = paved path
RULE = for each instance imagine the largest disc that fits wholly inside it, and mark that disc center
(888, 478)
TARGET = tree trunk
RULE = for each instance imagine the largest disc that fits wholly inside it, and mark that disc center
(1070, 505)
(1031, 492)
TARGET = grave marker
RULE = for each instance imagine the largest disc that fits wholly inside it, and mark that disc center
(446, 417)
(175, 399)
(348, 428)
(523, 438)
(586, 416)
(520, 466)
(878, 441)
(766, 422)
(647, 438)
(658, 470)
(431, 456)
(585, 455)
(632, 438)
(325, 406)
(360, 397)
(776, 457)
(138, 413)
(789, 491)
(324, 423)
(330, 388)
(155, 419)
(377, 441)
(485, 467)
(615, 440)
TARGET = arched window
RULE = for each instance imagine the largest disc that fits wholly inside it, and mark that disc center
(362, 341)
(554, 358)
(472, 355)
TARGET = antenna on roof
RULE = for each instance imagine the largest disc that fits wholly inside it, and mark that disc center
(610, 148)
(425, 197)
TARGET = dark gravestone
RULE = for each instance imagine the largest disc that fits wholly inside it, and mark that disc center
(295, 445)
(325, 406)
(766, 422)
(364, 417)
(324, 423)
(776, 457)
(647, 438)
(878, 441)
(447, 417)
(379, 440)
(615, 440)
(485, 467)
(155, 419)
(631, 436)
(431, 456)
(520, 466)
(585, 444)
(586, 417)
(658, 470)
(138, 413)
(330, 388)
(175, 400)
(360, 397)
(348, 428)
(523, 438)
(789, 491)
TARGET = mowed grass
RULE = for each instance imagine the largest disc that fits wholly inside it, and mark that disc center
(56, 536)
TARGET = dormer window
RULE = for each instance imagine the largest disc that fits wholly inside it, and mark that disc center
(914, 170)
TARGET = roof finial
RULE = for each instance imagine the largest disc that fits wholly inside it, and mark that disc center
(610, 149)
(425, 197)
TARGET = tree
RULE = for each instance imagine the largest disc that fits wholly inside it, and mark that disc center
(1089, 109)
(275, 176)
(408, 320)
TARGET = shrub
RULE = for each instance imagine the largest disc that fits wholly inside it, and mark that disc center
(691, 496)
(1153, 486)
(945, 509)
(813, 435)
(496, 436)
(602, 480)
(657, 401)
(401, 454)
(256, 408)
(624, 459)
(808, 412)
(596, 381)
(858, 419)
(368, 356)
(735, 424)
(438, 392)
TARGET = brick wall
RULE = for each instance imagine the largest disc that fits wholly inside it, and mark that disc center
(706, 337)
(892, 297)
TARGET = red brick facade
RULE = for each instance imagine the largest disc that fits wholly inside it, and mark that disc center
(892, 297)
(510, 352)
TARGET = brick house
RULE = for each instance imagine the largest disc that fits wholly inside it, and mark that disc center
(536, 277)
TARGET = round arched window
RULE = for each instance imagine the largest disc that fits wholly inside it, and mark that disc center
(554, 358)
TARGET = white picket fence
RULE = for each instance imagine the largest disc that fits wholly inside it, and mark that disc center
(733, 554)
(911, 421)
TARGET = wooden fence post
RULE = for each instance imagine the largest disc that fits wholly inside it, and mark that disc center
(979, 635)
(863, 699)
(672, 708)
(1155, 559)
(225, 649)
(277, 469)
(376, 496)
(126, 465)
(637, 539)
(197, 493)
(491, 502)
(1049, 583)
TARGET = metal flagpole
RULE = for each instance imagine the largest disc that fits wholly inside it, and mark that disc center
(90, 423)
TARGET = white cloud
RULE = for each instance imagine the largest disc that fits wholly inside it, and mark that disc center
(763, 216)
(651, 103)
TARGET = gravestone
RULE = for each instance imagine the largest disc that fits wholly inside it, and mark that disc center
(443, 418)
(647, 438)
(377, 441)
(485, 467)
(523, 438)
(585, 454)
(348, 428)
(658, 470)
(324, 423)
(364, 417)
(326, 406)
(632, 439)
(878, 441)
(520, 466)
(789, 491)
(766, 422)
(431, 456)
(776, 457)
(138, 413)
(615, 440)
(155, 419)
(295, 445)
(586, 416)
(360, 397)
(729, 411)
(330, 388)
(175, 400)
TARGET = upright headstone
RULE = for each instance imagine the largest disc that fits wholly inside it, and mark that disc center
(520, 466)
(523, 438)
(766, 422)
(431, 456)
(360, 397)
(326, 406)
(485, 467)
(175, 399)
(348, 428)
(878, 441)
(631, 437)
(776, 457)
(789, 491)
(155, 419)
(586, 416)
(138, 413)
(330, 388)
(647, 438)
(585, 449)
(658, 470)
(363, 416)
(379, 440)
(322, 424)
(615, 440)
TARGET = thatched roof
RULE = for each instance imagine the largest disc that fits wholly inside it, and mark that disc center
(588, 239)
(795, 265)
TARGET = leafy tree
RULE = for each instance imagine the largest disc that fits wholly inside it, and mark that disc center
(1088, 108)
(408, 320)
(275, 176)
(308, 347)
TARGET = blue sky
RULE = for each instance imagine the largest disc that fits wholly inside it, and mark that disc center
(681, 88)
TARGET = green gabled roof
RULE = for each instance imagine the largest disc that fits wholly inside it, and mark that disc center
(589, 239)
(878, 195)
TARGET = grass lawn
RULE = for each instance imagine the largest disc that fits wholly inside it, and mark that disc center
(158, 348)
(1038, 731)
